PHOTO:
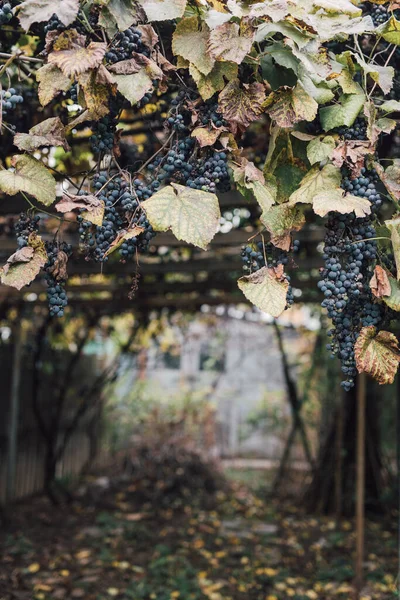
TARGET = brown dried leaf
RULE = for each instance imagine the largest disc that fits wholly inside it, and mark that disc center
(288, 106)
(149, 37)
(59, 269)
(377, 354)
(379, 283)
(24, 265)
(122, 237)
(50, 132)
(241, 105)
(94, 207)
(229, 42)
(78, 59)
(352, 153)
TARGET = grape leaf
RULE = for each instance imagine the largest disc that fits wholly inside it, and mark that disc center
(344, 113)
(393, 298)
(266, 289)
(394, 227)
(37, 11)
(190, 42)
(390, 106)
(352, 153)
(320, 149)
(379, 283)
(52, 81)
(390, 31)
(288, 106)
(192, 215)
(122, 237)
(50, 132)
(121, 12)
(248, 177)
(96, 94)
(134, 87)
(337, 201)
(30, 176)
(78, 59)
(229, 42)
(94, 207)
(315, 181)
(280, 221)
(383, 76)
(205, 136)
(163, 10)
(214, 82)
(377, 354)
(240, 105)
(24, 265)
(391, 177)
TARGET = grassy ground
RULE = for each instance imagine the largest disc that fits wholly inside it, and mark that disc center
(235, 546)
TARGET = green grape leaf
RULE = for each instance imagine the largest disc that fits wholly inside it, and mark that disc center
(214, 82)
(30, 176)
(280, 221)
(50, 132)
(383, 76)
(119, 14)
(190, 42)
(394, 227)
(393, 298)
(37, 11)
(320, 149)
(391, 177)
(316, 181)
(377, 354)
(163, 10)
(389, 106)
(249, 178)
(266, 289)
(344, 113)
(192, 215)
(336, 200)
(24, 265)
(390, 31)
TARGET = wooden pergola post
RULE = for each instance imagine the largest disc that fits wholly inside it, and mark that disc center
(360, 484)
(12, 441)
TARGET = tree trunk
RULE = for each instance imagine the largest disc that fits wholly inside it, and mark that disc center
(321, 495)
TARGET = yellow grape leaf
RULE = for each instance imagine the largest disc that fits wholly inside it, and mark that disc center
(377, 354)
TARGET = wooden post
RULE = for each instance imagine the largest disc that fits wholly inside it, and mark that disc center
(339, 458)
(360, 489)
(398, 477)
(12, 443)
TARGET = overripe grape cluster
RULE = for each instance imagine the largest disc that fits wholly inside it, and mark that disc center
(124, 44)
(56, 294)
(9, 100)
(349, 254)
(357, 131)
(208, 113)
(258, 255)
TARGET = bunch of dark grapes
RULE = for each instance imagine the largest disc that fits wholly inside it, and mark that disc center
(5, 13)
(102, 138)
(208, 114)
(358, 131)
(349, 254)
(124, 44)
(122, 213)
(379, 13)
(256, 256)
(23, 228)
(177, 123)
(56, 277)
(54, 23)
(9, 100)
(73, 93)
(210, 173)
